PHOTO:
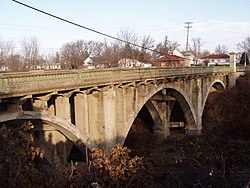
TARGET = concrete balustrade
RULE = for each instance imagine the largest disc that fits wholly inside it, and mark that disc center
(16, 84)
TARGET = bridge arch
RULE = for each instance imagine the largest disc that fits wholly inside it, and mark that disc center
(215, 85)
(56, 136)
(186, 106)
(63, 126)
(146, 96)
(164, 90)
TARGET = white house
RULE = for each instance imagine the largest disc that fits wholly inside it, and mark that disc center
(4, 68)
(129, 63)
(189, 58)
(88, 62)
(216, 59)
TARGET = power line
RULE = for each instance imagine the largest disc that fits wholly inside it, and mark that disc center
(92, 30)
(188, 27)
(89, 29)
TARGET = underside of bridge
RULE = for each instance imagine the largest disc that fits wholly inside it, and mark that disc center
(60, 146)
(166, 112)
(58, 149)
(140, 134)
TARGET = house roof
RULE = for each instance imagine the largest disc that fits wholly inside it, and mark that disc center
(216, 56)
(168, 58)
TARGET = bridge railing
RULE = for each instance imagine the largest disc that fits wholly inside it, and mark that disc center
(242, 68)
(22, 83)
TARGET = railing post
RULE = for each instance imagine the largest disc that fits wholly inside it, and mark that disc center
(231, 81)
(232, 62)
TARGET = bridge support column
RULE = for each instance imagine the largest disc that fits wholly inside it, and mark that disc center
(81, 113)
(161, 120)
(40, 105)
(51, 109)
(95, 118)
(121, 113)
(197, 100)
(109, 109)
(163, 111)
(56, 150)
(14, 107)
(51, 143)
(63, 107)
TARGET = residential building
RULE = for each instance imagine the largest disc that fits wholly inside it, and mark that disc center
(170, 61)
(216, 59)
(4, 68)
(129, 63)
(88, 63)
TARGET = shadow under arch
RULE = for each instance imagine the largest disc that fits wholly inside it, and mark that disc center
(131, 120)
(73, 140)
(218, 84)
(66, 128)
(186, 107)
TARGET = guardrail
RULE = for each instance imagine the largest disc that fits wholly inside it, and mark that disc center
(14, 84)
(242, 68)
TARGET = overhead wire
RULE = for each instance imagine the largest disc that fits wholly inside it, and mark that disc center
(92, 30)
(87, 28)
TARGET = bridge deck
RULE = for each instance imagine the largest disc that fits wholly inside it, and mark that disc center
(23, 83)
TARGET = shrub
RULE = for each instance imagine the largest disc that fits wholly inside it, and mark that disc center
(227, 113)
(117, 165)
(17, 157)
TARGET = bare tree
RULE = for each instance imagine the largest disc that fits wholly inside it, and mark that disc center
(127, 49)
(73, 54)
(6, 50)
(205, 53)
(244, 46)
(106, 55)
(165, 47)
(30, 50)
(128, 36)
(170, 45)
(195, 47)
(51, 59)
(14, 62)
(147, 42)
(221, 49)
(98, 48)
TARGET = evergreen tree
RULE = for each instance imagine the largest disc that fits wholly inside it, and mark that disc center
(244, 58)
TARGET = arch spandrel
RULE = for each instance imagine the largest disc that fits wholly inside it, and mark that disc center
(67, 129)
(143, 99)
(217, 85)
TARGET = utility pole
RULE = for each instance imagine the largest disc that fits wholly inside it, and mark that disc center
(188, 26)
(245, 63)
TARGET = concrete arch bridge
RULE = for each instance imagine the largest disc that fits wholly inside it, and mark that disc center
(98, 107)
